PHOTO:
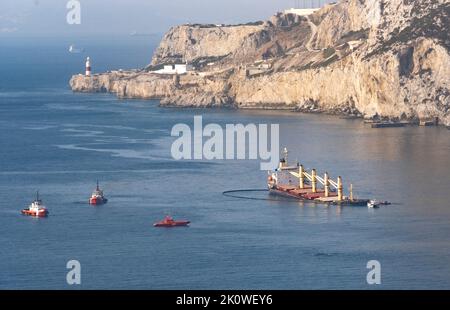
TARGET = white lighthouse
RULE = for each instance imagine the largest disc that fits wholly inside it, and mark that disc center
(88, 67)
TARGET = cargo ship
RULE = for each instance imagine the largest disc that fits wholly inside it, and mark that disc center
(296, 182)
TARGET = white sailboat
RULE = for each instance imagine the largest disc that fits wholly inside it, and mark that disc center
(74, 50)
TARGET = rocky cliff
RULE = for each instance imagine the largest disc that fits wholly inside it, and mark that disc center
(371, 58)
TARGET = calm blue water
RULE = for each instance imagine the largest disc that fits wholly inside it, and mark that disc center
(61, 143)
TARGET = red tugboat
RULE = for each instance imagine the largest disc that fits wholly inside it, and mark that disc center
(36, 208)
(170, 222)
(97, 197)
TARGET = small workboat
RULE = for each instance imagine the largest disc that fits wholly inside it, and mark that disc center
(170, 222)
(375, 204)
(97, 197)
(36, 208)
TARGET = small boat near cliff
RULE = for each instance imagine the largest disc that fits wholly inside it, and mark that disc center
(388, 124)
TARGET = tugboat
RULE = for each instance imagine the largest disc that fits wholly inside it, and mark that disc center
(97, 197)
(36, 208)
(170, 222)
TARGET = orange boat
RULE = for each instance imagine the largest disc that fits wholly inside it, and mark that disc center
(36, 208)
(97, 197)
(170, 222)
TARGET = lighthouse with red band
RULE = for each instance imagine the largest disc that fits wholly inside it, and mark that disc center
(88, 67)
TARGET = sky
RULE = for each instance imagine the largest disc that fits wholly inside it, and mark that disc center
(49, 17)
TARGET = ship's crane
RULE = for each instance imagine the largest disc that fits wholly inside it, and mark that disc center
(311, 186)
(321, 180)
(325, 181)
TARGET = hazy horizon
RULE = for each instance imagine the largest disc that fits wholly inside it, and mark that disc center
(117, 17)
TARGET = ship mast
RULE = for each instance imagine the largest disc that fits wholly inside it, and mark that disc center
(285, 155)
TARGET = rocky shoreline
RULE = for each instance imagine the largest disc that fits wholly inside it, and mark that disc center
(373, 59)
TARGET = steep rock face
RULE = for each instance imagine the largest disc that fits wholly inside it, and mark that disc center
(335, 22)
(125, 84)
(231, 45)
(369, 87)
(361, 57)
(192, 90)
(191, 43)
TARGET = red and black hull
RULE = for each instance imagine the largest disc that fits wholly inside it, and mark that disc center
(308, 196)
(172, 224)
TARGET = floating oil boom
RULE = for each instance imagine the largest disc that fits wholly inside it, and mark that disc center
(295, 181)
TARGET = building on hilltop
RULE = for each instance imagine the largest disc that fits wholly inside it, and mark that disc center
(175, 69)
(306, 7)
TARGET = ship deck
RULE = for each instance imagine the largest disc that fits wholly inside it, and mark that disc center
(307, 194)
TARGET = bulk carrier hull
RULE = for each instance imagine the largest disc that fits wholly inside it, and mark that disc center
(318, 198)
(295, 182)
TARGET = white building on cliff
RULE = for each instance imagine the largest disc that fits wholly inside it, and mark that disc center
(307, 7)
(301, 12)
(175, 69)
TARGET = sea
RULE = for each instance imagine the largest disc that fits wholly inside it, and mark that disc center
(60, 143)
